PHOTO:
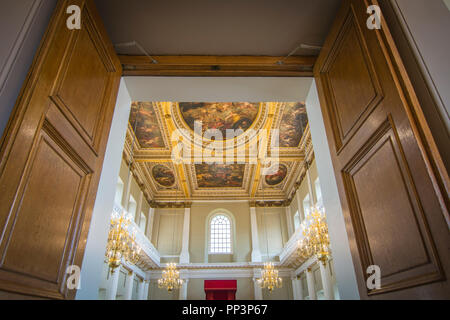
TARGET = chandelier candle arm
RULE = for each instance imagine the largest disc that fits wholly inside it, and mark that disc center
(269, 278)
(121, 242)
(170, 278)
(315, 236)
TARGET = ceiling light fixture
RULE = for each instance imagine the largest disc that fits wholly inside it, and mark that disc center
(301, 46)
(137, 45)
(315, 236)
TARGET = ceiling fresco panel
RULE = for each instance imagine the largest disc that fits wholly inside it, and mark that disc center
(220, 175)
(293, 124)
(278, 177)
(220, 116)
(144, 118)
(163, 175)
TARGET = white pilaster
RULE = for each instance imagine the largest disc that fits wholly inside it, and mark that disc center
(312, 194)
(111, 290)
(256, 253)
(146, 290)
(290, 222)
(129, 285)
(126, 191)
(184, 256)
(137, 216)
(294, 288)
(326, 280)
(183, 290)
(300, 206)
(297, 289)
(150, 218)
(141, 289)
(300, 293)
(257, 289)
(311, 285)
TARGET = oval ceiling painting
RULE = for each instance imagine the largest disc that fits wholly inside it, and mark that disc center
(163, 175)
(219, 115)
(277, 178)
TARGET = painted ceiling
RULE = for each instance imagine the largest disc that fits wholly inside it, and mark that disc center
(219, 175)
(219, 116)
(151, 125)
(146, 125)
(293, 124)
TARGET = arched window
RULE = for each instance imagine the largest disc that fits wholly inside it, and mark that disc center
(220, 235)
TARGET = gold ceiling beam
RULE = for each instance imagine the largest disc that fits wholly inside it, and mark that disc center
(268, 127)
(271, 66)
(171, 127)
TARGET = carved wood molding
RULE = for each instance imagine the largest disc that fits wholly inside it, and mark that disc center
(294, 66)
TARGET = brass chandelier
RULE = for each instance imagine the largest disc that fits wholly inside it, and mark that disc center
(269, 278)
(315, 236)
(170, 278)
(121, 242)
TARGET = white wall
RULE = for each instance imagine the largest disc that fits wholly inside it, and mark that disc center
(428, 23)
(168, 231)
(22, 25)
(272, 231)
(447, 3)
(345, 273)
(91, 272)
(215, 89)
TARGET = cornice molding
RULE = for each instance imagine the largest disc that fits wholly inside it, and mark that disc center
(167, 205)
(214, 66)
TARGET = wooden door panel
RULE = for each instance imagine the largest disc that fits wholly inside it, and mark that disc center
(82, 82)
(65, 182)
(53, 154)
(349, 73)
(393, 215)
(387, 215)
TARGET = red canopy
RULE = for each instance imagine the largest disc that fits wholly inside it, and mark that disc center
(220, 289)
